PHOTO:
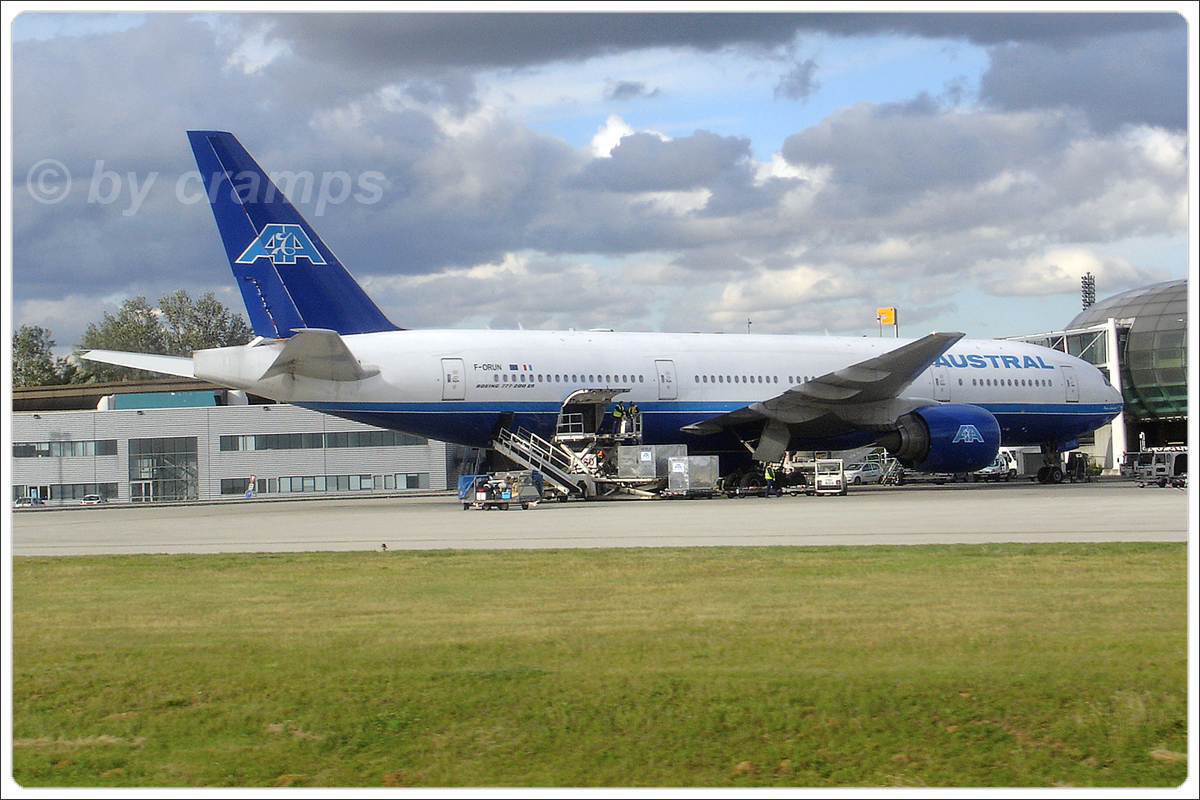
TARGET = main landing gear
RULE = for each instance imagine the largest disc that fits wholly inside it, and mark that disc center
(1051, 470)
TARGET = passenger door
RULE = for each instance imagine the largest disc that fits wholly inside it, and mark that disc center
(1071, 383)
(667, 389)
(454, 379)
(941, 384)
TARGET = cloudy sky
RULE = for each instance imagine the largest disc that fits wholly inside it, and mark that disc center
(789, 173)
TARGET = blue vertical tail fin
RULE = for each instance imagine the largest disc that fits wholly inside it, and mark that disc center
(288, 278)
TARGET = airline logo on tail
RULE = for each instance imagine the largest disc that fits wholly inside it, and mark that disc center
(283, 243)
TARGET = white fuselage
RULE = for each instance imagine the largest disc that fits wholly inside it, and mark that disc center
(455, 385)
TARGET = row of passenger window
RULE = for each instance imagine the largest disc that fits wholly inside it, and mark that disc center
(1010, 382)
(629, 380)
(608, 380)
(743, 379)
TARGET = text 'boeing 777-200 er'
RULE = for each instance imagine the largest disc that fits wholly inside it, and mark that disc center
(941, 403)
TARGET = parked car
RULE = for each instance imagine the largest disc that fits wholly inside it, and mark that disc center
(1003, 468)
(864, 472)
(93, 500)
(27, 502)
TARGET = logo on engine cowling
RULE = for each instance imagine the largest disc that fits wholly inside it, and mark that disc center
(967, 433)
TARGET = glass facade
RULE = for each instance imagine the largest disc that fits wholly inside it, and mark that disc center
(163, 469)
(1153, 342)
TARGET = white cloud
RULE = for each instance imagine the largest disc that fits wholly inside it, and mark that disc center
(1057, 271)
(610, 134)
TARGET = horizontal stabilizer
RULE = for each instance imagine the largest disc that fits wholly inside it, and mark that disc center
(319, 354)
(167, 365)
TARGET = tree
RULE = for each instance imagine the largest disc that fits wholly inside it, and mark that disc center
(200, 325)
(177, 327)
(34, 363)
(135, 329)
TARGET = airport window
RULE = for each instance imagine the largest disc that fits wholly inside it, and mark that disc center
(67, 449)
(306, 441)
(234, 485)
(330, 483)
(641, 378)
(78, 491)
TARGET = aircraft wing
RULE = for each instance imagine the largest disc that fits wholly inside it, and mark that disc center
(321, 354)
(167, 365)
(852, 393)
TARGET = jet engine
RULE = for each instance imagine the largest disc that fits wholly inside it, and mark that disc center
(944, 438)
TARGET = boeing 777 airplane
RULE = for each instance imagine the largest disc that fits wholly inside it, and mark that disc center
(941, 403)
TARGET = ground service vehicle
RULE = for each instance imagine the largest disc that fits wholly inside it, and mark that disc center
(1004, 468)
(864, 472)
(1161, 465)
(829, 477)
(500, 490)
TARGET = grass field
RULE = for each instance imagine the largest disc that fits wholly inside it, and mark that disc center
(972, 666)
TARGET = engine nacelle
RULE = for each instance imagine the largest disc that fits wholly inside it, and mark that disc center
(945, 438)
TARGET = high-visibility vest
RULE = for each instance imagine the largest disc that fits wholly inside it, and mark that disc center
(617, 410)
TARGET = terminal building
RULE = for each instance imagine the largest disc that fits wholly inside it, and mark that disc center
(171, 441)
(181, 440)
(1139, 339)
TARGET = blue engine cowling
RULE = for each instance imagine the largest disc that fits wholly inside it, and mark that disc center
(945, 438)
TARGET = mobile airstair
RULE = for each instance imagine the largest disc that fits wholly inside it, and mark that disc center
(582, 459)
(561, 466)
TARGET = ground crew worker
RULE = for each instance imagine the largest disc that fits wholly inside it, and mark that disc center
(769, 476)
(635, 419)
(618, 414)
